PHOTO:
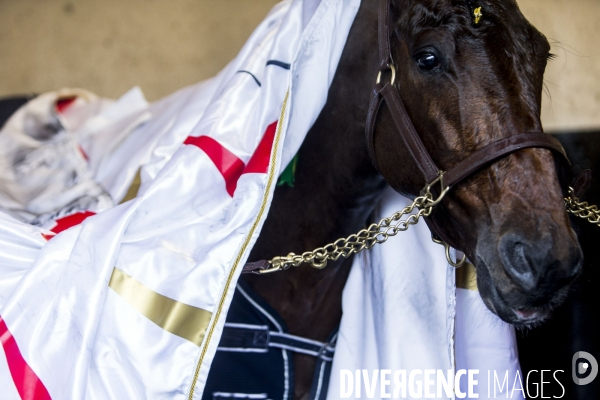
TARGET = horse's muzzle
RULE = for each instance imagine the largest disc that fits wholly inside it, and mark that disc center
(522, 280)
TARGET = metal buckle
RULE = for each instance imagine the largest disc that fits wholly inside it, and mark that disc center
(278, 264)
(443, 190)
(269, 270)
(393, 80)
(453, 263)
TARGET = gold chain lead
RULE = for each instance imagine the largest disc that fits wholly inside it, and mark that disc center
(582, 209)
(388, 227)
(366, 238)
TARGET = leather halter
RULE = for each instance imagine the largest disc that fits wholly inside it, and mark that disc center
(388, 93)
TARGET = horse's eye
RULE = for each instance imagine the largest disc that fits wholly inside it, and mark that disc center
(427, 61)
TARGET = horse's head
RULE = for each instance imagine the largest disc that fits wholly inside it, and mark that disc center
(465, 84)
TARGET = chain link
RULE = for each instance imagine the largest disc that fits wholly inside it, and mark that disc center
(366, 238)
(582, 209)
(391, 226)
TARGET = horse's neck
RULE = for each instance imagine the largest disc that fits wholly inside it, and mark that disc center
(335, 190)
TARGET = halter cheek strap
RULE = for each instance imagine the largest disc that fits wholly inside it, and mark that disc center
(388, 93)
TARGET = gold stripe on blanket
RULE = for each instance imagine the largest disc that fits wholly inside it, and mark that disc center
(180, 319)
(466, 277)
(133, 188)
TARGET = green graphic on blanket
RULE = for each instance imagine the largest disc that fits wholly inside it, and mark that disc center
(288, 175)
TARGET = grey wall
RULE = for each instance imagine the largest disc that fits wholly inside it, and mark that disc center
(108, 46)
(573, 78)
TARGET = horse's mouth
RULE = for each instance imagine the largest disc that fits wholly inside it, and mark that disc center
(527, 317)
(521, 316)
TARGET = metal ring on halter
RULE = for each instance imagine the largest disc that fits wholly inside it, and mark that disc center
(448, 258)
(393, 80)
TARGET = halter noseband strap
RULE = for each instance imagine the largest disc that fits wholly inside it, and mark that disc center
(388, 93)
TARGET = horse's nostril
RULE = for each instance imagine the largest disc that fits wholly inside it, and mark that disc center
(516, 262)
(519, 254)
(529, 264)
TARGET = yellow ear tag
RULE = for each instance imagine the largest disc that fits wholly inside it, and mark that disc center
(477, 13)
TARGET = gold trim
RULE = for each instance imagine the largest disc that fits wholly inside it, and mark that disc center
(180, 319)
(134, 187)
(466, 277)
(244, 246)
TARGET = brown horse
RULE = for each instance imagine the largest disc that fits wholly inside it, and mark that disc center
(464, 85)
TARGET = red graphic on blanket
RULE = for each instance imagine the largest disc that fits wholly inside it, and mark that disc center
(228, 164)
(61, 106)
(64, 103)
(65, 223)
(29, 386)
(83, 153)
